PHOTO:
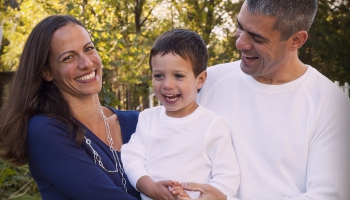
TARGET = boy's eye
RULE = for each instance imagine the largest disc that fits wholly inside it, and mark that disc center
(179, 76)
(157, 76)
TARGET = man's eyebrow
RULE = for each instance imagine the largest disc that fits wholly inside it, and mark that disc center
(249, 32)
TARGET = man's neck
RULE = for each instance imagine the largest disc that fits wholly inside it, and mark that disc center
(287, 74)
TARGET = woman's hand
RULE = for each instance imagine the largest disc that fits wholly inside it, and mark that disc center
(207, 192)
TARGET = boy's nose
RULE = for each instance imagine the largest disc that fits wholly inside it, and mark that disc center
(168, 83)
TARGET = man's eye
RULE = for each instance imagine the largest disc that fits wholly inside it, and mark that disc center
(258, 40)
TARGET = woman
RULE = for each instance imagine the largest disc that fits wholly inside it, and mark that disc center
(53, 119)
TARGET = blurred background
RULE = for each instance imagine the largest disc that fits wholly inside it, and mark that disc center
(123, 32)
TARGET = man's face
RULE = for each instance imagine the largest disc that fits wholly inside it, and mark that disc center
(264, 55)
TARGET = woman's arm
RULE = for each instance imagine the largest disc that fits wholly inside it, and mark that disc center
(63, 169)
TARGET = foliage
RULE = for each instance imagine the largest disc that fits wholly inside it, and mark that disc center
(123, 32)
(328, 47)
(16, 183)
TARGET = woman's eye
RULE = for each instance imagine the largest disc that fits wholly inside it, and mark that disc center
(89, 48)
(67, 58)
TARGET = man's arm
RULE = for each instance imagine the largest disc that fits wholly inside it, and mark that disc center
(225, 174)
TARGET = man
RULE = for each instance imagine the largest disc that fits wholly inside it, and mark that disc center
(290, 125)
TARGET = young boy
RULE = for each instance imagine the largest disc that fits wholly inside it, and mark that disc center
(179, 141)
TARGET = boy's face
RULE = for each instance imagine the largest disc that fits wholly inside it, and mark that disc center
(175, 85)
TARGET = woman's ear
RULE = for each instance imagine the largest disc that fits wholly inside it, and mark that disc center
(201, 79)
(298, 39)
(47, 75)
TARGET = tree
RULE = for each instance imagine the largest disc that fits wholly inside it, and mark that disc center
(213, 20)
(328, 47)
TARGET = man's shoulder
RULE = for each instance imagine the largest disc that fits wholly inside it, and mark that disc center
(220, 70)
(321, 86)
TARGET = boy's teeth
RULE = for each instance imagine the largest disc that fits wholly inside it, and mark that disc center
(87, 77)
(172, 97)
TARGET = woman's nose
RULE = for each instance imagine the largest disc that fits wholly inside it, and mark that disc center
(85, 62)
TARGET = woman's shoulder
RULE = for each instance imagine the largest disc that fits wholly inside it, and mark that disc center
(127, 118)
(41, 120)
(127, 114)
(40, 125)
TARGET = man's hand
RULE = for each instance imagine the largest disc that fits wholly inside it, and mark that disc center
(207, 192)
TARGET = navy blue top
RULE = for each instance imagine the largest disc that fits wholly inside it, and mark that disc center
(64, 170)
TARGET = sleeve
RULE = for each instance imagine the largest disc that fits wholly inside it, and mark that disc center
(133, 153)
(225, 170)
(328, 167)
(55, 158)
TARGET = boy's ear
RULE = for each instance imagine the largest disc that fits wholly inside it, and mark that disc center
(201, 79)
(47, 75)
(298, 39)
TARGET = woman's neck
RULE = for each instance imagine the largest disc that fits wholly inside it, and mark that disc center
(87, 111)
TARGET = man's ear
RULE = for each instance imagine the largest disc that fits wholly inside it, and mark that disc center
(201, 79)
(47, 75)
(298, 39)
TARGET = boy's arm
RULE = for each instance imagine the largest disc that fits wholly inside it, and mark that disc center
(133, 156)
(133, 153)
(225, 170)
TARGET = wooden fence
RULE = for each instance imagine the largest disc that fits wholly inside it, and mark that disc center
(344, 87)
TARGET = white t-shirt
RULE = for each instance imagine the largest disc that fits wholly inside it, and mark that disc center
(292, 141)
(195, 148)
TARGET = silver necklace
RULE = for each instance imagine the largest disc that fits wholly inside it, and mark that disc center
(97, 157)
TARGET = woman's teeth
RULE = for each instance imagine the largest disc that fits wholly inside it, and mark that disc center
(86, 77)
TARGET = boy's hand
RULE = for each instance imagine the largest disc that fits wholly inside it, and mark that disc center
(178, 191)
(162, 192)
(155, 190)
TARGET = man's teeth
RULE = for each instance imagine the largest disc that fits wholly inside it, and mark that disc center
(87, 77)
(249, 57)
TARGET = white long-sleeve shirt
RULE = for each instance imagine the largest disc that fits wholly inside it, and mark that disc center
(195, 148)
(292, 141)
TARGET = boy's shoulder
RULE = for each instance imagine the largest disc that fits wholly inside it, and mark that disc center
(151, 111)
(205, 112)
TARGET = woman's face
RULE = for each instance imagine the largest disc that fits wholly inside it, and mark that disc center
(74, 64)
